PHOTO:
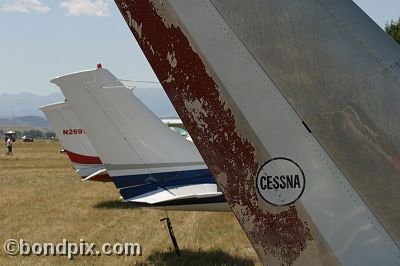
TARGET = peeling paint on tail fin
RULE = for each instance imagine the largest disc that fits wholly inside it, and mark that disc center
(247, 76)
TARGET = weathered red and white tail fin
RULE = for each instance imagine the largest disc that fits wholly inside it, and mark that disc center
(294, 107)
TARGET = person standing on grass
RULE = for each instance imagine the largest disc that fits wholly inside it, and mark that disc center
(9, 146)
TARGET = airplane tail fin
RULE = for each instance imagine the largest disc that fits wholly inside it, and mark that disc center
(308, 87)
(135, 146)
(74, 140)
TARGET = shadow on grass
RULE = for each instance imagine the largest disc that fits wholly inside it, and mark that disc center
(116, 204)
(190, 257)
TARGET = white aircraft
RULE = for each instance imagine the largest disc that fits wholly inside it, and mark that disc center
(150, 164)
(75, 142)
(77, 145)
(294, 107)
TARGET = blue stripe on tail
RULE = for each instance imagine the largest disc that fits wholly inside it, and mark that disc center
(161, 178)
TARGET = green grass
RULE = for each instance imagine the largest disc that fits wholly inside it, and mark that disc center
(43, 200)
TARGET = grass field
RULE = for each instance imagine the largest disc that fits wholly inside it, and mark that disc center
(43, 200)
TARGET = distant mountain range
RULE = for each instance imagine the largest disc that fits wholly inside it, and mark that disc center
(29, 121)
(22, 109)
(25, 103)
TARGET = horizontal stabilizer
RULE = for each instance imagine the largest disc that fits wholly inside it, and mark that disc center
(168, 194)
(99, 172)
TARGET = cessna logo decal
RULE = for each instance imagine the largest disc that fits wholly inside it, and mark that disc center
(280, 181)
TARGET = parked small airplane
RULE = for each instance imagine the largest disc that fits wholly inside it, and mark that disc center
(75, 142)
(150, 164)
(77, 145)
(294, 107)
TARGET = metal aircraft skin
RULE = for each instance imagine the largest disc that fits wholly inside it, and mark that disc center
(294, 107)
(77, 145)
(75, 142)
(151, 165)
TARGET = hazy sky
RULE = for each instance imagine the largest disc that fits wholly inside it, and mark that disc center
(41, 39)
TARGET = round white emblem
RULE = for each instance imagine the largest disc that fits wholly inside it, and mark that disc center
(280, 181)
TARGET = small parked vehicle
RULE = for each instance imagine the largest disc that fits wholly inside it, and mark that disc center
(27, 139)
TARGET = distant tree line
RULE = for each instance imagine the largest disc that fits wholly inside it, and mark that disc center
(393, 29)
(36, 134)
